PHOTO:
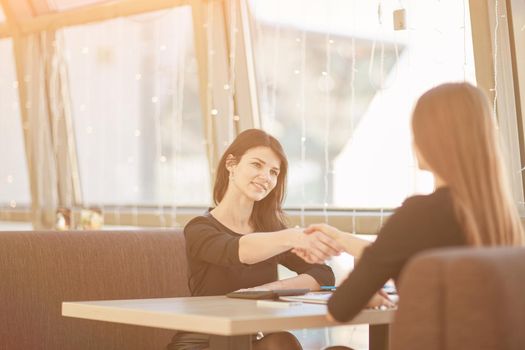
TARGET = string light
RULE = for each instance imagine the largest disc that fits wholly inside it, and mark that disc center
(275, 60)
(232, 67)
(268, 83)
(381, 34)
(495, 90)
(303, 126)
(118, 131)
(328, 112)
(157, 120)
(179, 125)
(464, 41)
(353, 71)
(208, 25)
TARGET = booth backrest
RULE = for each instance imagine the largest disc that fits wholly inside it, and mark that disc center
(462, 298)
(40, 270)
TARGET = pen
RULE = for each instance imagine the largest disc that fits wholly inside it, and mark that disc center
(331, 288)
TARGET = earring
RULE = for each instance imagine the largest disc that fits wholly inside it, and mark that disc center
(231, 176)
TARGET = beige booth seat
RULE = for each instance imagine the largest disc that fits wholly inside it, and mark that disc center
(39, 270)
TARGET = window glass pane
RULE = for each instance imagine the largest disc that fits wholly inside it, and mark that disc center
(137, 119)
(337, 85)
(69, 4)
(14, 185)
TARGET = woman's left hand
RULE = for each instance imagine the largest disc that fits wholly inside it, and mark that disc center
(379, 300)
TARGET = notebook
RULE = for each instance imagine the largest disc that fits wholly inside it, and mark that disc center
(266, 294)
(312, 297)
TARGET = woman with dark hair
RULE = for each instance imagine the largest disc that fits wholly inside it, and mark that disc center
(238, 244)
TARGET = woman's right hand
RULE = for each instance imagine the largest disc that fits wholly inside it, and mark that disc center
(315, 247)
(350, 242)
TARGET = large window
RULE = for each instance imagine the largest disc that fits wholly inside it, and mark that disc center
(14, 185)
(337, 85)
(136, 112)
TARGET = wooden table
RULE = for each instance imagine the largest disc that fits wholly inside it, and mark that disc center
(229, 321)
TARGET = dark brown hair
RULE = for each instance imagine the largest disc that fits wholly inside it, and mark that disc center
(267, 214)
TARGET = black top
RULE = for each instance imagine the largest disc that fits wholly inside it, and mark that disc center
(421, 223)
(215, 268)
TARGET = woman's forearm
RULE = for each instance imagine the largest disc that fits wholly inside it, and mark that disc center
(353, 245)
(256, 247)
(259, 246)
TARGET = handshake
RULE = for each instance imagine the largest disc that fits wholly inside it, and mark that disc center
(319, 242)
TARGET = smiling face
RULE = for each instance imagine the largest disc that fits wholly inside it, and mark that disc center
(255, 174)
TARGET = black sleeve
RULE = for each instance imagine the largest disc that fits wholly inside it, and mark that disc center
(207, 242)
(380, 261)
(323, 274)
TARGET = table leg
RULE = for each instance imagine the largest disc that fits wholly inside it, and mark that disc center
(238, 342)
(378, 336)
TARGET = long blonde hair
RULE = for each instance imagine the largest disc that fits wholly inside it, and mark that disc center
(456, 136)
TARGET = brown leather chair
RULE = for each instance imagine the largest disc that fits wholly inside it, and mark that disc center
(462, 298)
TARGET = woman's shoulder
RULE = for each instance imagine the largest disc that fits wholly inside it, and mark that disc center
(439, 199)
(205, 219)
(206, 223)
(425, 216)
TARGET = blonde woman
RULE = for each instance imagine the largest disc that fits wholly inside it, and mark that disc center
(455, 138)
